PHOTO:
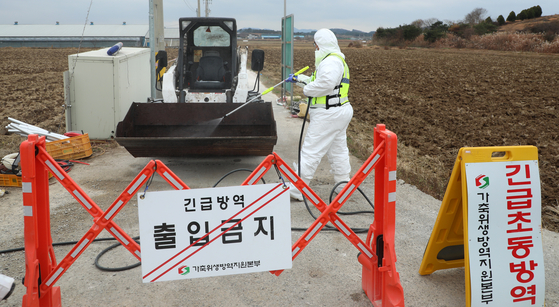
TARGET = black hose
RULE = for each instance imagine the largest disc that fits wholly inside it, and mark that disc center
(327, 227)
(256, 83)
(353, 212)
(100, 267)
(19, 249)
(118, 269)
(234, 171)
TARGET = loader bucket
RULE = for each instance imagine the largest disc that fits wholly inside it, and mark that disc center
(197, 129)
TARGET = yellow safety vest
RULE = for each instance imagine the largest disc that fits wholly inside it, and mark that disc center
(343, 88)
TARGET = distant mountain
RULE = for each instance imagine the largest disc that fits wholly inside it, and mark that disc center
(268, 30)
(339, 32)
(353, 32)
(303, 30)
(255, 30)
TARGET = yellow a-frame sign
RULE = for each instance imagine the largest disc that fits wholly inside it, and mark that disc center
(505, 226)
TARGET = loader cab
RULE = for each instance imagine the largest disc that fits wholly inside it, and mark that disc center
(207, 59)
(206, 76)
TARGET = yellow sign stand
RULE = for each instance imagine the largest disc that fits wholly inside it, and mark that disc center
(448, 244)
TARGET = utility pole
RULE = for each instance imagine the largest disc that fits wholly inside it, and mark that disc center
(208, 7)
(198, 10)
(156, 39)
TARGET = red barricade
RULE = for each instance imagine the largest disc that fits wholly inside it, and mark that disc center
(381, 281)
(39, 254)
(42, 271)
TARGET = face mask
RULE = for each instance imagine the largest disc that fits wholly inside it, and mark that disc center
(318, 57)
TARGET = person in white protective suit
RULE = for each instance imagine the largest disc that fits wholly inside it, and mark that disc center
(330, 111)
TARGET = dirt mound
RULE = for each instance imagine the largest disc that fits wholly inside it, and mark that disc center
(524, 25)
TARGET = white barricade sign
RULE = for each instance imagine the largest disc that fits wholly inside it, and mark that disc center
(249, 231)
(504, 234)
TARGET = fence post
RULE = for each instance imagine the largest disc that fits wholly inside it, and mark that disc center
(380, 280)
(39, 253)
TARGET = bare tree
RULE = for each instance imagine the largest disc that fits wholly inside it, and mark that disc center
(476, 16)
(418, 23)
(451, 22)
(429, 22)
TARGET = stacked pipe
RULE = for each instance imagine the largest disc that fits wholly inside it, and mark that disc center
(25, 129)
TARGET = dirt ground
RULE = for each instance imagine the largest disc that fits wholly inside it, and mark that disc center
(436, 101)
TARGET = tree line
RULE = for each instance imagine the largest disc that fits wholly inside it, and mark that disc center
(533, 12)
(474, 23)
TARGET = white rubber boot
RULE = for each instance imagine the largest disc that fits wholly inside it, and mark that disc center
(294, 193)
(338, 178)
(340, 188)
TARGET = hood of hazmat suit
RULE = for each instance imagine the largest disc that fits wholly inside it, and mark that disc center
(327, 43)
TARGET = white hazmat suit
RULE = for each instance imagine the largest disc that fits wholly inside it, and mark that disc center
(326, 133)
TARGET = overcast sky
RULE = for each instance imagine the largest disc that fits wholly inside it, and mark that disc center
(364, 15)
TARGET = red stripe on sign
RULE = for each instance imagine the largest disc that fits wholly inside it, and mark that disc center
(219, 226)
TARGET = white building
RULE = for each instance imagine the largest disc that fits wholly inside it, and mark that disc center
(62, 36)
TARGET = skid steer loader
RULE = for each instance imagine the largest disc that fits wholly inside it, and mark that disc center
(208, 81)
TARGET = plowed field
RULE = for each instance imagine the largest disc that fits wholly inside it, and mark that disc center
(436, 101)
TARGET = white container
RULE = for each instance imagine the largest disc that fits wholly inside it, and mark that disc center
(99, 89)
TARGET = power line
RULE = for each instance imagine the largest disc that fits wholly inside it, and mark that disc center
(189, 6)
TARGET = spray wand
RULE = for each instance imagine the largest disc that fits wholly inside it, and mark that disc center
(265, 92)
